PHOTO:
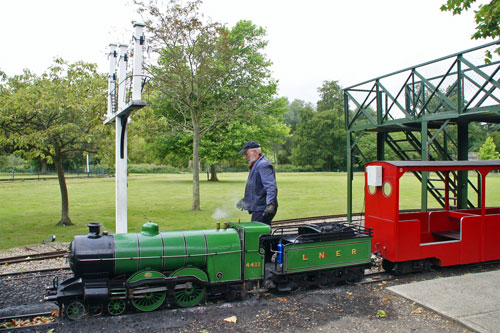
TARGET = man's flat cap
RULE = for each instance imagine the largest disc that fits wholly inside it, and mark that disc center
(249, 145)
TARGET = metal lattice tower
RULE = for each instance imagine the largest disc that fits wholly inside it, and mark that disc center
(432, 105)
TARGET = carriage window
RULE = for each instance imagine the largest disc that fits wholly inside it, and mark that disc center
(372, 189)
(387, 188)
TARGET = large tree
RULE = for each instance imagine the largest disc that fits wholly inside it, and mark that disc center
(487, 17)
(331, 96)
(222, 144)
(206, 75)
(55, 115)
(319, 140)
(283, 151)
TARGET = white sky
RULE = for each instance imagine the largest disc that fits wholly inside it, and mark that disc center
(309, 41)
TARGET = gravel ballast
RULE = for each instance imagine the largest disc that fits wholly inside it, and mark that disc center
(345, 308)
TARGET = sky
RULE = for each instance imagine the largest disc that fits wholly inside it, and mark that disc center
(310, 42)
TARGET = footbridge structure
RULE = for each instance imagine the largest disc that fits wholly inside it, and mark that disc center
(423, 113)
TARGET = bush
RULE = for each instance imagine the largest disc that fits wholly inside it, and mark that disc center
(12, 162)
(295, 168)
(154, 168)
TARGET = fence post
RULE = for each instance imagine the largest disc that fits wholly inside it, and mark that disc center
(13, 171)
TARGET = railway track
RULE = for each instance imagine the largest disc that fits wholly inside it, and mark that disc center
(24, 321)
(32, 257)
(35, 271)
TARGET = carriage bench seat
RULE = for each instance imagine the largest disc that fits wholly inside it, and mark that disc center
(447, 234)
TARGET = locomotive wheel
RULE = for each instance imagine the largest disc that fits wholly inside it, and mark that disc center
(191, 295)
(116, 307)
(150, 301)
(404, 267)
(325, 279)
(146, 301)
(75, 309)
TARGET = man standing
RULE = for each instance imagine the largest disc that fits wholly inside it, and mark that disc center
(261, 192)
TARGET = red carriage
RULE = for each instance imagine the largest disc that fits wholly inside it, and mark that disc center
(414, 240)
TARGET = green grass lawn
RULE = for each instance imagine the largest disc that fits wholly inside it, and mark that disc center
(29, 210)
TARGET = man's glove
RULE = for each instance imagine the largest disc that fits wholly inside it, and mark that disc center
(241, 204)
(270, 210)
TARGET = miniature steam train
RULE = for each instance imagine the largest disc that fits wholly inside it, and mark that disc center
(150, 268)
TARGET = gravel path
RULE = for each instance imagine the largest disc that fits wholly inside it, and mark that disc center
(345, 308)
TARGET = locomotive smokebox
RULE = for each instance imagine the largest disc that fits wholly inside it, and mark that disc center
(92, 255)
(94, 230)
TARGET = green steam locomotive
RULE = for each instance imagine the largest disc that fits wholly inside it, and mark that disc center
(150, 268)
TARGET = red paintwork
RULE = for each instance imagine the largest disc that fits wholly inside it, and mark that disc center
(405, 236)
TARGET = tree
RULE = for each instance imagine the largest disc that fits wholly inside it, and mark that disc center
(331, 96)
(487, 150)
(487, 18)
(55, 115)
(206, 75)
(223, 143)
(319, 141)
(283, 151)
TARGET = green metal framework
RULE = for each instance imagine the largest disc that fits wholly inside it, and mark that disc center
(423, 112)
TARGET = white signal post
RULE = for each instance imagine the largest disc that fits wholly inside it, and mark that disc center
(121, 147)
(122, 112)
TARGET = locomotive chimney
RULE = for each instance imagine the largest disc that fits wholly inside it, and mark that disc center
(94, 230)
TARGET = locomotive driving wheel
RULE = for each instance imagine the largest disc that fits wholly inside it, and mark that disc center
(147, 297)
(149, 301)
(75, 309)
(190, 294)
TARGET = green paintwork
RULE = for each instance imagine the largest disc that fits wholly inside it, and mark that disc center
(323, 255)
(150, 229)
(209, 250)
(191, 271)
(254, 261)
(224, 260)
(150, 246)
(145, 275)
(126, 249)
(175, 250)
(196, 248)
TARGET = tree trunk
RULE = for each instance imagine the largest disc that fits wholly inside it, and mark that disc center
(65, 220)
(44, 166)
(196, 170)
(213, 173)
